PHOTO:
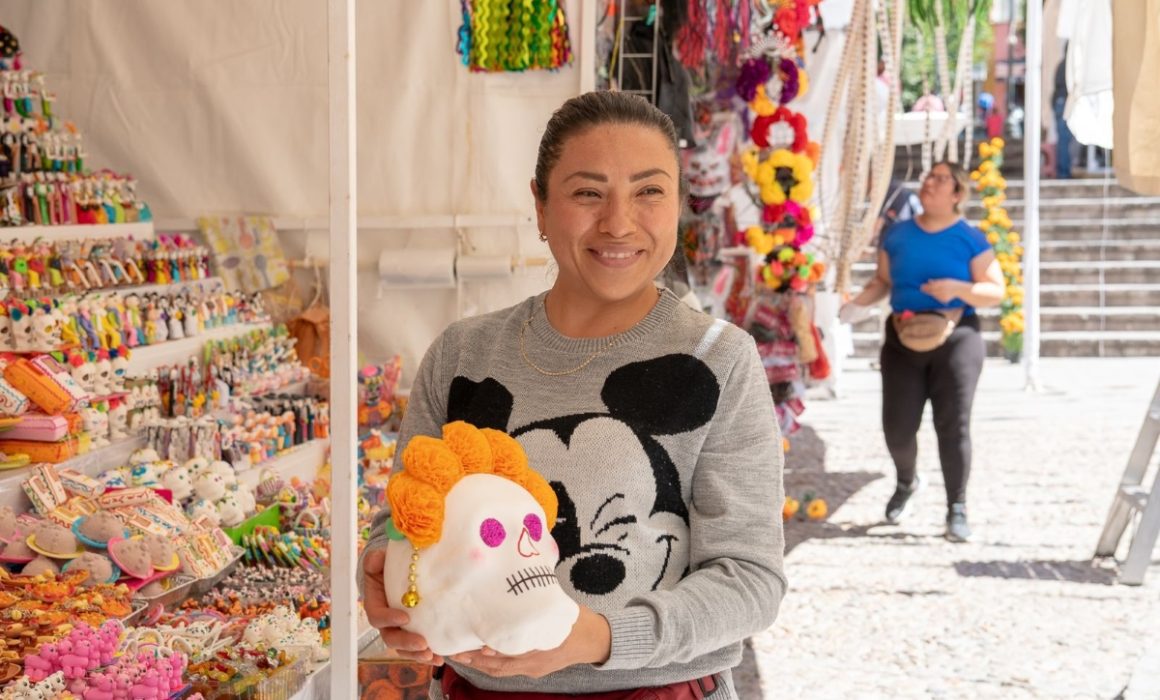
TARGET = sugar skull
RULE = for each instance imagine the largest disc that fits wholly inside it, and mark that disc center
(177, 480)
(230, 510)
(478, 519)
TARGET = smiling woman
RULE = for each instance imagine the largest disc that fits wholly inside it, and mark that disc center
(652, 422)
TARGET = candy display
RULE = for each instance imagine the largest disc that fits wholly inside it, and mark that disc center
(153, 568)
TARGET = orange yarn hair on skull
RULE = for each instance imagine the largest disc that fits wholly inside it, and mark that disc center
(432, 466)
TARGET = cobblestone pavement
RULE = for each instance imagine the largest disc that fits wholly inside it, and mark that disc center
(1019, 612)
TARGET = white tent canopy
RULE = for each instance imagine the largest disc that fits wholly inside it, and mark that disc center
(221, 108)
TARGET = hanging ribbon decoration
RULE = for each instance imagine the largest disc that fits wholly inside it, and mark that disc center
(513, 35)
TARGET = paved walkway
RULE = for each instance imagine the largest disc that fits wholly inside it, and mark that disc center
(1020, 612)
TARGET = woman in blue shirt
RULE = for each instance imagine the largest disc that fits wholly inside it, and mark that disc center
(933, 263)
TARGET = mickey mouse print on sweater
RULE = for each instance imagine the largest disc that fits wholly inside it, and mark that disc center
(623, 523)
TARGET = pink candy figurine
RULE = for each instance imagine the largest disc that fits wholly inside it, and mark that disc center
(148, 687)
(100, 688)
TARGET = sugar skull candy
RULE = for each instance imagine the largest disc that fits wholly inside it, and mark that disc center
(177, 480)
(102, 526)
(99, 567)
(210, 486)
(133, 557)
(486, 568)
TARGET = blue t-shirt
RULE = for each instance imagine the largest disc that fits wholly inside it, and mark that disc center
(917, 257)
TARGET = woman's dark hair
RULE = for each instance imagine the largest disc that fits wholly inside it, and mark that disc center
(593, 109)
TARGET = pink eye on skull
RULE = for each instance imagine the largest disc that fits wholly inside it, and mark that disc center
(491, 532)
(535, 527)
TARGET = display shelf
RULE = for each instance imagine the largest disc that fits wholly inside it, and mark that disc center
(90, 463)
(207, 283)
(140, 230)
(302, 461)
(150, 357)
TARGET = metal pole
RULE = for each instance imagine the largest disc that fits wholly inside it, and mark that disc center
(1032, 118)
(587, 58)
(343, 343)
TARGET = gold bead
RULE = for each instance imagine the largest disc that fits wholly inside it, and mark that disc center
(410, 599)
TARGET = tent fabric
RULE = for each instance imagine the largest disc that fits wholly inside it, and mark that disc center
(220, 107)
(1137, 142)
(1089, 74)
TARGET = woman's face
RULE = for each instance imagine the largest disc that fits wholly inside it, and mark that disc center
(938, 195)
(612, 210)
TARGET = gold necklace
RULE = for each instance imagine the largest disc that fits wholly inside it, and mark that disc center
(585, 363)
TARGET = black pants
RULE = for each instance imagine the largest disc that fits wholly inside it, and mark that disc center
(947, 376)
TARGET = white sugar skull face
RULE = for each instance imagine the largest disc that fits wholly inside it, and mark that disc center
(210, 486)
(197, 466)
(120, 366)
(83, 373)
(490, 580)
(230, 510)
(6, 338)
(46, 330)
(225, 471)
(177, 480)
(102, 382)
(203, 508)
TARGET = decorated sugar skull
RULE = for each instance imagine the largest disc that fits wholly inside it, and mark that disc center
(203, 508)
(120, 365)
(45, 328)
(245, 496)
(230, 510)
(196, 466)
(478, 519)
(144, 454)
(177, 480)
(6, 339)
(118, 419)
(226, 471)
(22, 338)
(143, 474)
(96, 424)
(103, 379)
(210, 486)
(83, 372)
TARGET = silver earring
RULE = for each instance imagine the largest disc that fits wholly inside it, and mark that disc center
(543, 236)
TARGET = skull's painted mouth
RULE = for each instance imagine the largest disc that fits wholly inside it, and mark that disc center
(532, 577)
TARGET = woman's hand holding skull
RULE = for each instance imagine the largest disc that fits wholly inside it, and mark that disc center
(388, 620)
(589, 643)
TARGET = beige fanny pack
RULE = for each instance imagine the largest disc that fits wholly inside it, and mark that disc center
(926, 330)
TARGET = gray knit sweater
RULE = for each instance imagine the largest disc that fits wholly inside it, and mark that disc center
(665, 455)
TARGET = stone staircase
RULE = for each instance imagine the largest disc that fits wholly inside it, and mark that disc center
(1099, 272)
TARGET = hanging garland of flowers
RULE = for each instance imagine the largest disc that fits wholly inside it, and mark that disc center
(1006, 242)
(513, 35)
(781, 165)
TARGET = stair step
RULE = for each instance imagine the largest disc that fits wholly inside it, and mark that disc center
(1086, 250)
(1061, 273)
(1063, 295)
(1055, 344)
(1079, 208)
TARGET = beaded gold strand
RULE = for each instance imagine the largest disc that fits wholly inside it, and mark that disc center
(411, 597)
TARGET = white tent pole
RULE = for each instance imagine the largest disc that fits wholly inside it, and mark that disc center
(587, 54)
(1032, 120)
(343, 210)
